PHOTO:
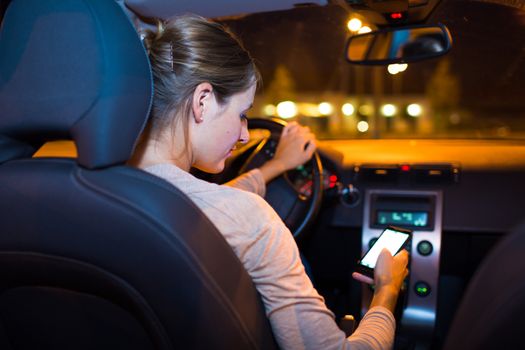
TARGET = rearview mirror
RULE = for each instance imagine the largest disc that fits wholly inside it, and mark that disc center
(398, 45)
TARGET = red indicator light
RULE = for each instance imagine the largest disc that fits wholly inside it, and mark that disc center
(405, 167)
(396, 15)
(333, 178)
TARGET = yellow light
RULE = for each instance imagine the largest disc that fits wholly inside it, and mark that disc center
(397, 68)
(362, 126)
(393, 69)
(308, 109)
(366, 110)
(354, 24)
(414, 110)
(325, 108)
(269, 110)
(348, 109)
(388, 110)
(364, 29)
(286, 109)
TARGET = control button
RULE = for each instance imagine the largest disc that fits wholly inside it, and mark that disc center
(425, 248)
(422, 289)
(371, 242)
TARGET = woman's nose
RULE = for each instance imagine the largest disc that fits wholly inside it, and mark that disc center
(245, 134)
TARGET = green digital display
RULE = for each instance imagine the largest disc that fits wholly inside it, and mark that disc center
(403, 218)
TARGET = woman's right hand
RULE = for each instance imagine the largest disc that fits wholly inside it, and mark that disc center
(390, 271)
(389, 274)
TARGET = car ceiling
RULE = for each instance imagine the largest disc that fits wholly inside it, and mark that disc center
(165, 9)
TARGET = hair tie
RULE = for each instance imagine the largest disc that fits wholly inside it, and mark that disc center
(160, 30)
(171, 56)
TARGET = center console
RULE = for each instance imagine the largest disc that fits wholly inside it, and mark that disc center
(420, 211)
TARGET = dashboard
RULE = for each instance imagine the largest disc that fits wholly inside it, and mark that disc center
(481, 180)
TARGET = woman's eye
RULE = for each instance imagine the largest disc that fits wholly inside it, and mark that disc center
(244, 118)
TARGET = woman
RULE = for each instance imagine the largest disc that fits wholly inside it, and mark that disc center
(204, 84)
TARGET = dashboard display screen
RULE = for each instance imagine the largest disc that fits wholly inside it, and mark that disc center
(402, 218)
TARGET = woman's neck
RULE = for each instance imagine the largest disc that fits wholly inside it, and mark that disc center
(153, 152)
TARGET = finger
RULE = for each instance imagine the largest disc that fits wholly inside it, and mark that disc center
(286, 130)
(292, 126)
(362, 278)
(311, 136)
(310, 147)
(402, 256)
(385, 252)
(305, 129)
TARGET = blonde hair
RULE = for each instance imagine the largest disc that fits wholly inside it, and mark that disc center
(185, 52)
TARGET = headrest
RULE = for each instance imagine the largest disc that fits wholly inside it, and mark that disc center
(72, 69)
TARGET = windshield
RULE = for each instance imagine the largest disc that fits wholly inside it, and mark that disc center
(475, 91)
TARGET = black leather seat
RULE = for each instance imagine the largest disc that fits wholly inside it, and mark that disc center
(492, 312)
(95, 254)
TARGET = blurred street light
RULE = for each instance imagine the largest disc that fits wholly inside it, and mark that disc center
(397, 68)
(362, 126)
(364, 29)
(269, 110)
(325, 108)
(354, 24)
(414, 110)
(348, 109)
(388, 110)
(366, 110)
(286, 109)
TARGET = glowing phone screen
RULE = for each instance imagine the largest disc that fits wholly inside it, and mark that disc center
(389, 239)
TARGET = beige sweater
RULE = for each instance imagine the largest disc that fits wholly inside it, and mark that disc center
(265, 246)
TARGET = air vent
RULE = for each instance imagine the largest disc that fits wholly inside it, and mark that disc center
(385, 173)
(434, 173)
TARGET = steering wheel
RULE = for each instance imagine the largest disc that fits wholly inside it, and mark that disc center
(295, 209)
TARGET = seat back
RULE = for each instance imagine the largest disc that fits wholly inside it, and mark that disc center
(492, 312)
(95, 254)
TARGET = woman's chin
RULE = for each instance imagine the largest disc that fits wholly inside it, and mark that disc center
(213, 169)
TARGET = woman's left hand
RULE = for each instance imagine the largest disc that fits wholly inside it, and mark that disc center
(296, 146)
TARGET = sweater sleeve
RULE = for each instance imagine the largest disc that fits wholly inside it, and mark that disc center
(251, 181)
(375, 331)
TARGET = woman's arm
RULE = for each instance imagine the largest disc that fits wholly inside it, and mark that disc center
(296, 146)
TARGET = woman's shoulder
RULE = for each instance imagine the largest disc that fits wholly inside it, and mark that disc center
(235, 203)
(243, 201)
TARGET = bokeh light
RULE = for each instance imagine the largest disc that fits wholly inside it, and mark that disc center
(286, 109)
(348, 109)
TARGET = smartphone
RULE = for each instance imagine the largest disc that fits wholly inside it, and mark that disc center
(392, 238)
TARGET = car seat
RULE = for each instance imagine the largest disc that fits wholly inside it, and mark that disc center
(95, 254)
(492, 312)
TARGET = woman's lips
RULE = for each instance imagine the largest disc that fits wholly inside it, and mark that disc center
(231, 151)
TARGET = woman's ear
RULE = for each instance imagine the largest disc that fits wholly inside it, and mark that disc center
(202, 96)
